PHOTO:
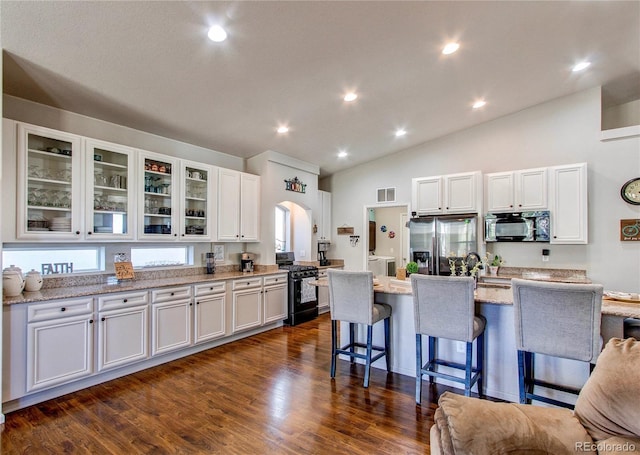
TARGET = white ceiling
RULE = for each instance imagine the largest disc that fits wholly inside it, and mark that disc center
(149, 66)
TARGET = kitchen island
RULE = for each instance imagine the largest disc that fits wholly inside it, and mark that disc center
(495, 303)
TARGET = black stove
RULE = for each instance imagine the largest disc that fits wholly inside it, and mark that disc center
(303, 297)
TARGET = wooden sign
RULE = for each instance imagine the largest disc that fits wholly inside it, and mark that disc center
(124, 270)
(630, 230)
(345, 230)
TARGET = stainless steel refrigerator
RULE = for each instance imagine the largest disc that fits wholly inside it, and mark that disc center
(434, 239)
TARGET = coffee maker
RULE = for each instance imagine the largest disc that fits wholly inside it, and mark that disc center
(246, 262)
(323, 247)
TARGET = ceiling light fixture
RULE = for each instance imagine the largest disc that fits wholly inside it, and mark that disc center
(217, 34)
(400, 132)
(581, 66)
(478, 104)
(283, 129)
(450, 48)
(351, 96)
(342, 154)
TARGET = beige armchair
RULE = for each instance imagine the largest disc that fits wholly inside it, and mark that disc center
(606, 419)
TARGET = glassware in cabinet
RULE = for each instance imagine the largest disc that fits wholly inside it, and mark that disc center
(49, 184)
(196, 201)
(110, 181)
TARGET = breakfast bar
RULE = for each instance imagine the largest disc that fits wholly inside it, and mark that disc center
(495, 303)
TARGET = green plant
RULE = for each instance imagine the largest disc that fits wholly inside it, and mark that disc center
(412, 267)
(496, 261)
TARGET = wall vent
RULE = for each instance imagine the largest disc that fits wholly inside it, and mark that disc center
(386, 195)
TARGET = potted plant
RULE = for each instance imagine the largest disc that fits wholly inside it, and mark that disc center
(412, 267)
(493, 262)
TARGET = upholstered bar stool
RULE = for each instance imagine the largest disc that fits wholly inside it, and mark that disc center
(351, 299)
(632, 328)
(554, 319)
(444, 307)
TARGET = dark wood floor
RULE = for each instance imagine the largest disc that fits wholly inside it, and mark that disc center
(270, 393)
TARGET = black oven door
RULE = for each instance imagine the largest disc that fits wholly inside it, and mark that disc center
(303, 300)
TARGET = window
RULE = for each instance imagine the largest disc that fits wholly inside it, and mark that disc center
(55, 260)
(161, 256)
(282, 228)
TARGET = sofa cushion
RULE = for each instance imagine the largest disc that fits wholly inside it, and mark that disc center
(609, 403)
(482, 427)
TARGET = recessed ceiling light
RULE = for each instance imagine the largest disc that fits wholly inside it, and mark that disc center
(478, 104)
(342, 154)
(400, 132)
(217, 34)
(351, 96)
(450, 48)
(283, 129)
(581, 66)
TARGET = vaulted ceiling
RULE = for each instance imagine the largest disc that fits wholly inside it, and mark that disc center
(150, 66)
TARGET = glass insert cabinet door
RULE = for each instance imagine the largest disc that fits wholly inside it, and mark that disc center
(49, 194)
(158, 204)
(197, 181)
(110, 183)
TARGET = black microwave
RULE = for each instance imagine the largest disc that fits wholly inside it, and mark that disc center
(517, 227)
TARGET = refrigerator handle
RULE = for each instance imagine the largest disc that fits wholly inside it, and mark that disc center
(434, 253)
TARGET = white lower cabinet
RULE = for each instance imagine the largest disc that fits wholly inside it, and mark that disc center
(170, 319)
(275, 298)
(209, 312)
(247, 304)
(123, 329)
(59, 342)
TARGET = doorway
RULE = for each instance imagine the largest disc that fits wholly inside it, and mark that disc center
(386, 240)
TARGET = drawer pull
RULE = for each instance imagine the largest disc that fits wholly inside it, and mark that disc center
(173, 293)
(211, 288)
(63, 309)
(125, 300)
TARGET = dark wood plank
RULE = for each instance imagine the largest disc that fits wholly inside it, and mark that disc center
(270, 393)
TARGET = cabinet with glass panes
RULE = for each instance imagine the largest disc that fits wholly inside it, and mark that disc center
(198, 181)
(157, 214)
(110, 190)
(49, 176)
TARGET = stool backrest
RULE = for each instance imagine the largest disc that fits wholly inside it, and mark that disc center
(443, 306)
(558, 319)
(351, 296)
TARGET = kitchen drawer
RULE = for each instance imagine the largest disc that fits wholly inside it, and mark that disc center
(209, 288)
(59, 309)
(114, 301)
(275, 279)
(164, 295)
(322, 273)
(247, 283)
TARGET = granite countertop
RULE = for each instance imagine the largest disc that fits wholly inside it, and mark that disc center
(539, 274)
(491, 294)
(112, 286)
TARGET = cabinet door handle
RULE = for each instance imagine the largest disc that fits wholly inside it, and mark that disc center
(191, 304)
(103, 319)
(90, 321)
(77, 232)
(63, 309)
(197, 303)
(89, 233)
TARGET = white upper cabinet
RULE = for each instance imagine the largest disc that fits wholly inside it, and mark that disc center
(110, 191)
(517, 190)
(453, 193)
(49, 199)
(323, 218)
(238, 206)
(198, 188)
(158, 202)
(568, 203)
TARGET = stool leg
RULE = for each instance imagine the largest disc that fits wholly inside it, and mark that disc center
(529, 373)
(467, 369)
(387, 343)
(433, 346)
(418, 368)
(334, 327)
(480, 361)
(521, 377)
(352, 338)
(368, 355)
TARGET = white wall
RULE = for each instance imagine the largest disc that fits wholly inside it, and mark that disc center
(561, 131)
(274, 168)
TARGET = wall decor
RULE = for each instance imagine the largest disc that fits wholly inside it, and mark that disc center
(630, 230)
(295, 185)
(383, 228)
(124, 271)
(218, 253)
(392, 234)
(345, 230)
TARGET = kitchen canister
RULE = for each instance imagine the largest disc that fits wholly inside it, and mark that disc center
(12, 281)
(33, 281)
